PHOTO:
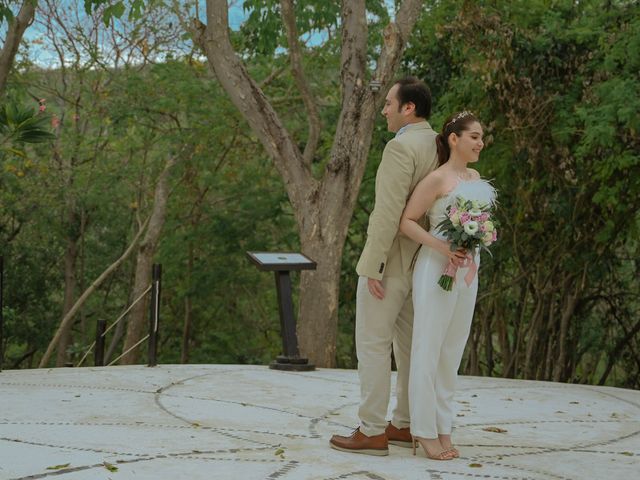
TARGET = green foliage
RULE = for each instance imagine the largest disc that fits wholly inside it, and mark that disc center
(116, 9)
(20, 125)
(561, 118)
(262, 33)
(555, 83)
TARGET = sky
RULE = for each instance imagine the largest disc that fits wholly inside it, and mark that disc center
(43, 53)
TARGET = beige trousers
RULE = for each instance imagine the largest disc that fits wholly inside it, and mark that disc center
(379, 325)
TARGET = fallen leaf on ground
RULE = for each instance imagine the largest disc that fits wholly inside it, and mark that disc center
(279, 451)
(629, 454)
(110, 467)
(58, 467)
(494, 429)
(475, 465)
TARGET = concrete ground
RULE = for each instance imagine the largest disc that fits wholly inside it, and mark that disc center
(248, 422)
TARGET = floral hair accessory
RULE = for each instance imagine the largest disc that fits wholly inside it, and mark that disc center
(464, 113)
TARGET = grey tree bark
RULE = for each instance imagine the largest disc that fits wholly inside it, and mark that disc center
(323, 207)
(137, 318)
(15, 31)
(68, 318)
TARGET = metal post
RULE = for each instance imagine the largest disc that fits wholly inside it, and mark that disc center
(98, 358)
(287, 320)
(154, 313)
(1, 309)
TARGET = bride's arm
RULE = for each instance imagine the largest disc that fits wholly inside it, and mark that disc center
(422, 199)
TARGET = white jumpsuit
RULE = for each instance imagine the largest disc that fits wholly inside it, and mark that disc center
(441, 324)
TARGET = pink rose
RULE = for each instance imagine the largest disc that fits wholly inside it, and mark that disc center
(453, 210)
(464, 218)
(483, 218)
(495, 235)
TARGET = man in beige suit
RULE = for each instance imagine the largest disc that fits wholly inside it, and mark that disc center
(384, 309)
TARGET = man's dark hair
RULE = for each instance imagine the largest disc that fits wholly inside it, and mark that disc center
(414, 90)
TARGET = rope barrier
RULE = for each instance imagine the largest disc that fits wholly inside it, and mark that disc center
(122, 315)
(128, 350)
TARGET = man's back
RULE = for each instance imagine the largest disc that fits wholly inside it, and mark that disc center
(406, 160)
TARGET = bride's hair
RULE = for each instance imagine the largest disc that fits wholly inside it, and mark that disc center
(456, 123)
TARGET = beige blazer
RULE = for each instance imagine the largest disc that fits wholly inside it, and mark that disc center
(406, 160)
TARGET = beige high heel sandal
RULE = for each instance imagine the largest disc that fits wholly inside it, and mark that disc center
(443, 455)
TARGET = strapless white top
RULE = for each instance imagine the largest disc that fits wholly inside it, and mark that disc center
(479, 189)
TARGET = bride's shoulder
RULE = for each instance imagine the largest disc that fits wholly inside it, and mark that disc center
(473, 174)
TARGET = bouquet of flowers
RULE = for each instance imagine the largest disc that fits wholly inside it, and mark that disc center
(468, 225)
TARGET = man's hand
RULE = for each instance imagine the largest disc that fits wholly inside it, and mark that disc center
(375, 288)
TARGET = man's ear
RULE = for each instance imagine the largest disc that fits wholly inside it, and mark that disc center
(408, 108)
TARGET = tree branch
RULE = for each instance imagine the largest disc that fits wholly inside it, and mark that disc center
(295, 57)
(359, 103)
(250, 100)
(97, 282)
(354, 47)
(396, 34)
(15, 31)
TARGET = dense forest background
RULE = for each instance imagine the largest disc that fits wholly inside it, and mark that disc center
(144, 136)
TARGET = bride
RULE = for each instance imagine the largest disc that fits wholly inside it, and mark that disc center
(442, 319)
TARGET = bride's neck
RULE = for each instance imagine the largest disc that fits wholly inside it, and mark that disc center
(456, 164)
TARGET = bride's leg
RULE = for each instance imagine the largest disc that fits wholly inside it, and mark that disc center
(450, 357)
(433, 308)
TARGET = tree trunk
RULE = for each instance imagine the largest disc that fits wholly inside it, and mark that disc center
(571, 301)
(70, 257)
(15, 31)
(86, 294)
(137, 318)
(323, 208)
(186, 331)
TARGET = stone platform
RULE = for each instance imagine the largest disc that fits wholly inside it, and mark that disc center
(248, 422)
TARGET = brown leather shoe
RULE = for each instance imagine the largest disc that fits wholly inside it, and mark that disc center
(358, 442)
(398, 436)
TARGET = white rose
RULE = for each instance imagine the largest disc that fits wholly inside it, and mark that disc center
(471, 227)
(487, 238)
(475, 212)
(488, 226)
(455, 219)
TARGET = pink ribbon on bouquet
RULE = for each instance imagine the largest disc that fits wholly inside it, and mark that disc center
(468, 262)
